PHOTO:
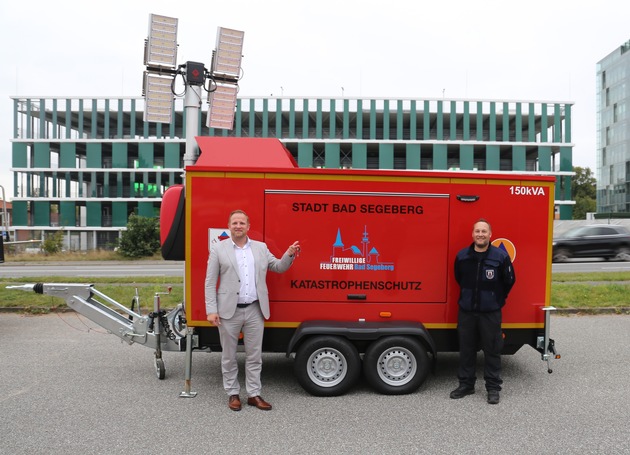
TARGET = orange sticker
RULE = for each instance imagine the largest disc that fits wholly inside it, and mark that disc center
(507, 246)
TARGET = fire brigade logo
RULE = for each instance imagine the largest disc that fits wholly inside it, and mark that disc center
(354, 257)
(507, 246)
(489, 274)
(216, 235)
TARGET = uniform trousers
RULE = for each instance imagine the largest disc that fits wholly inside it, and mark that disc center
(476, 329)
(251, 323)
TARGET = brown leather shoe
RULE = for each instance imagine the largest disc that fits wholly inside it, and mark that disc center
(259, 403)
(234, 403)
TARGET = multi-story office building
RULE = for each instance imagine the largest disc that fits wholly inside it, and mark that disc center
(84, 165)
(613, 131)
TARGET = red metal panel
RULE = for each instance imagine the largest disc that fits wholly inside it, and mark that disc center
(243, 152)
(518, 208)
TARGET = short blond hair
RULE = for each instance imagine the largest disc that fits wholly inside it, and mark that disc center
(238, 212)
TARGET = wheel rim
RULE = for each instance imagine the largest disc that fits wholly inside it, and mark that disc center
(327, 367)
(561, 256)
(396, 366)
(623, 255)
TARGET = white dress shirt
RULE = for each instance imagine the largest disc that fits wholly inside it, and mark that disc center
(246, 272)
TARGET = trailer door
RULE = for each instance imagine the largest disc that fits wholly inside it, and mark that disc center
(371, 246)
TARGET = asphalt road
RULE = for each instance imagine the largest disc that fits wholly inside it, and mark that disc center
(69, 388)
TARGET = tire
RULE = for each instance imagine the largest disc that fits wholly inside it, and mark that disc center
(327, 366)
(160, 369)
(561, 255)
(396, 365)
(623, 254)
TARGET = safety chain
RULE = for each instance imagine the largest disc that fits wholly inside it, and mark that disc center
(164, 321)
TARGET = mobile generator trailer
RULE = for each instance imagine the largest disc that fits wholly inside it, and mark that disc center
(372, 291)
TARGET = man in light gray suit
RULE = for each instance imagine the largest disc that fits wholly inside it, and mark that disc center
(241, 303)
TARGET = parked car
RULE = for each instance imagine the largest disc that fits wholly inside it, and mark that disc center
(606, 241)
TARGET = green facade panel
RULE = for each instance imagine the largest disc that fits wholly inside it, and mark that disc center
(68, 155)
(426, 121)
(19, 154)
(41, 213)
(466, 121)
(493, 157)
(346, 120)
(413, 156)
(93, 214)
(333, 158)
(413, 121)
(67, 214)
(359, 130)
(466, 157)
(506, 122)
(119, 214)
(453, 121)
(305, 154)
(518, 124)
(544, 158)
(567, 123)
(94, 157)
(519, 158)
(492, 128)
(332, 120)
(359, 155)
(440, 121)
(145, 155)
(19, 214)
(172, 157)
(479, 121)
(386, 156)
(440, 157)
(146, 209)
(119, 155)
(557, 129)
(41, 154)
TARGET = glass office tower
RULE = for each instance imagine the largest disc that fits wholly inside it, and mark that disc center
(85, 164)
(613, 132)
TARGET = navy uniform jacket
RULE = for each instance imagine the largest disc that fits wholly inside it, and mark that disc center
(484, 284)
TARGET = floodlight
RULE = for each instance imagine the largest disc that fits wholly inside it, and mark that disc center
(161, 50)
(158, 98)
(226, 62)
(221, 105)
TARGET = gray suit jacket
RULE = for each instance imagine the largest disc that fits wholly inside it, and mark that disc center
(222, 264)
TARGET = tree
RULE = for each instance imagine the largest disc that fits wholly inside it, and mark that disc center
(142, 237)
(583, 192)
(53, 243)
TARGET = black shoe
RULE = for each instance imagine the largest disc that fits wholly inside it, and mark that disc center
(462, 391)
(493, 397)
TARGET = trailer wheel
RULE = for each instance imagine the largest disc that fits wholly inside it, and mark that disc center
(396, 365)
(160, 369)
(327, 366)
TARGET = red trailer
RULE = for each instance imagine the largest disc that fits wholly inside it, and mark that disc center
(373, 288)
(372, 291)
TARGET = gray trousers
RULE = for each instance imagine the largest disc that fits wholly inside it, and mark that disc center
(251, 322)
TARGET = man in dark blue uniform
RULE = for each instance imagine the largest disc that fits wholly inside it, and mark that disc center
(485, 276)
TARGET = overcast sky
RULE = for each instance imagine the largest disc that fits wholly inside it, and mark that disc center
(496, 49)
